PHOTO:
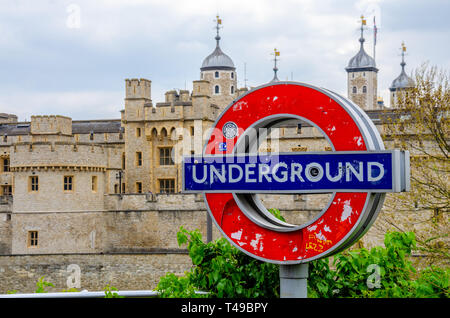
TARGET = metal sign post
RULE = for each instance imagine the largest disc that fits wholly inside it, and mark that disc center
(358, 172)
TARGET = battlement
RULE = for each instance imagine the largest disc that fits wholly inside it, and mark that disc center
(51, 125)
(173, 96)
(138, 88)
(7, 118)
(201, 88)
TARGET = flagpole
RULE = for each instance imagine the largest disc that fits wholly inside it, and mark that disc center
(374, 37)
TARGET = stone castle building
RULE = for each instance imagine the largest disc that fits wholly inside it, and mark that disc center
(106, 194)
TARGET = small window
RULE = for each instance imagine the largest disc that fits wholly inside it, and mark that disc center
(138, 159)
(138, 187)
(216, 74)
(68, 183)
(6, 165)
(123, 187)
(33, 184)
(6, 190)
(364, 89)
(165, 156)
(354, 90)
(192, 130)
(232, 89)
(216, 89)
(94, 183)
(116, 188)
(232, 75)
(167, 186)
(32, 238)
(138, 132)
(299, 128)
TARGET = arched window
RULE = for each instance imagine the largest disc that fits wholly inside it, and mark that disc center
(364, 89)
(216, 74)
(232, 89)
(216, 89)
(232, 74)
(354, 90)
(163, 133)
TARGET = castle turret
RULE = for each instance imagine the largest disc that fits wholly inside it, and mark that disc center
(218, 68)
(402, 83)
(362, 77)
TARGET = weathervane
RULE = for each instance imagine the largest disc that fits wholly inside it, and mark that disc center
(275, 68)
(218, 26)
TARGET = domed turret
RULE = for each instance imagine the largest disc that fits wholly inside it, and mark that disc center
(401, 82)
(219, 70)
(217, 60)
(362, 77)
(362, 60)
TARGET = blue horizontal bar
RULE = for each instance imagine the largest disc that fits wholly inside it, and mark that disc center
(290, 172)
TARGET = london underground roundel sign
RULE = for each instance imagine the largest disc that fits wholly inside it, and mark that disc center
(358, 172)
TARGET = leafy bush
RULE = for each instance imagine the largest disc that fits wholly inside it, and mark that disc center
(221, 270)
(224, 271)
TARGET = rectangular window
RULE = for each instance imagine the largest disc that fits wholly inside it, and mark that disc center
(116, 188)
(94, 183)
(167, 185)
(6, 190)
(68, 183)
(192, 130)
(138, 132)
(138, 159)
(138, 187)
(32, 238)
(33, 184)
(6, 165)
(165, 156)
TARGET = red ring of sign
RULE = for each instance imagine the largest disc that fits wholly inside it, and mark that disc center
(325, 233)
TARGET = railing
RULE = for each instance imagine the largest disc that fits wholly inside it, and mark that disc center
(90, 294)
(84, 294)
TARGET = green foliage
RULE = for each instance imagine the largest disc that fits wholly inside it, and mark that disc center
(379, 272)
(42, 284)
(70, 290)
(224, 271)
(110, 292)
(277, 214)
(221, 270)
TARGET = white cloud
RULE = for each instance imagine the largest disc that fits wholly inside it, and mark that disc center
(78, 105)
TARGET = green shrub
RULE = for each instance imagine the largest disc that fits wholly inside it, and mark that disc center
(224, 271)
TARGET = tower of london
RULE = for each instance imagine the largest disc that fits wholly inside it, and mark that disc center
(106, 194)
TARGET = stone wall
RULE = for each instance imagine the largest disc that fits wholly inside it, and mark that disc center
(123, 271)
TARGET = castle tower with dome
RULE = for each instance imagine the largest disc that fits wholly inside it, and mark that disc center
(219, 70)
(362, 79)
(401, 83)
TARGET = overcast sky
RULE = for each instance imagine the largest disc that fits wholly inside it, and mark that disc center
(71, 57)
